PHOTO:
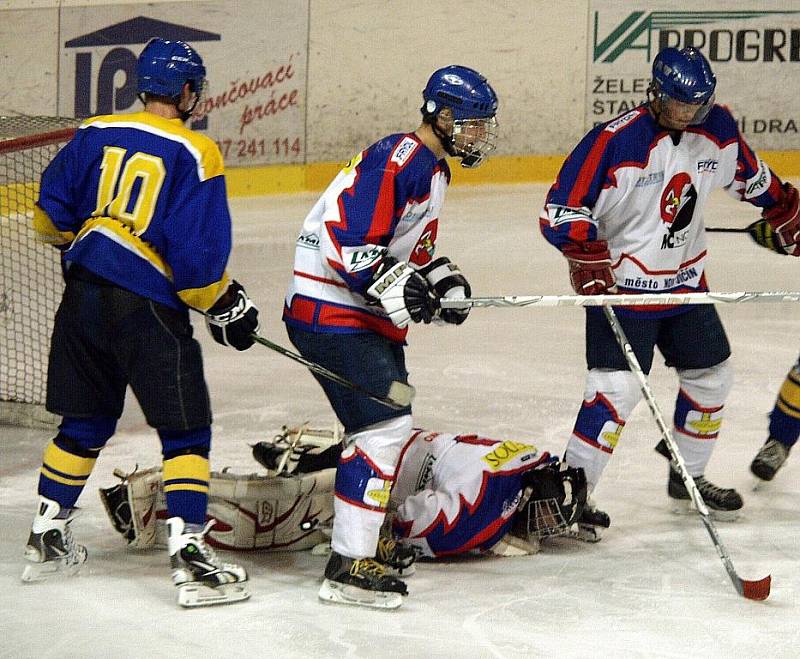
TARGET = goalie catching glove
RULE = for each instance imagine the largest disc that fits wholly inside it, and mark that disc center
(233, 318)
(590, 268)
(402, 292)
(446, 280)
(779, 226)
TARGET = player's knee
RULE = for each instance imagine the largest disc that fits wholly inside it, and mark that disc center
(175, 443)
(619, 389)
(708, 386)
(89, 436)
(382, 442)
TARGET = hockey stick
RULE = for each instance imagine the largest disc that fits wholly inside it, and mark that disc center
(753, 590)
(643, 299)
(727, 229)
(398, 397)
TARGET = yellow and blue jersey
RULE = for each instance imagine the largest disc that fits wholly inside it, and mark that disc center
(140, 200)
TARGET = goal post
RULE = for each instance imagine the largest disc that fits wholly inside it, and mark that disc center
(30, 272)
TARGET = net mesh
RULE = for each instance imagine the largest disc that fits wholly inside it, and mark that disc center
(30, 274)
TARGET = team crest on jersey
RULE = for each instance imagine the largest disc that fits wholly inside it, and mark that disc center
(404, 150)
(677, 209)
(426, 245)
(361, 258)
(759, 183)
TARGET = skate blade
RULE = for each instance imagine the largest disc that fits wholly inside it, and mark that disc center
(194, 594)
(42, 571)
(330, 591)
(681, 507)
(760, 485)
(585, 533)
(400, 571)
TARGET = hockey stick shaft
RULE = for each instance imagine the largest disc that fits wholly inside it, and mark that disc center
(727, 229)
(642, 299)
(398, 397)
(757, 590)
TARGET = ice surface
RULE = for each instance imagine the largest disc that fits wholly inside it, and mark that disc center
(654, 587)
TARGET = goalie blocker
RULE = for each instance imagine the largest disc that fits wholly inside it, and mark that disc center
(522, 496)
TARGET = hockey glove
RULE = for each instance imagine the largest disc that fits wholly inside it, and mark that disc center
(590, 268)
(446, 280)
(402, 292)
(233, 318)
(779, 226)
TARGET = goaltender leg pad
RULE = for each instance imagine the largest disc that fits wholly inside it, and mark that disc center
(250, 511)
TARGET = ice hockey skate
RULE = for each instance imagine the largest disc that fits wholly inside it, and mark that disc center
(299, 450)
(591, 524)
(202, 579)
(724, 504)
(51, 548)
(396, 558)
(769, 459)
(362, 582)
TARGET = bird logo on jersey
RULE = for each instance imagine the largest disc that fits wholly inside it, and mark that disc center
(677, 202)
(426, 245)
(677, 208)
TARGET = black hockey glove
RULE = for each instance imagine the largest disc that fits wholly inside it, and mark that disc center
(402, 292)
(446, 280)
(233, 318)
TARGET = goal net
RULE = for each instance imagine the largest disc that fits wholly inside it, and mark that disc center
(30, 272)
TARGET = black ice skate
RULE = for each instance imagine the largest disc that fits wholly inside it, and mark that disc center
(202, 579)
(396, 558)
(51, 548)
(769, 459)
(724, 504)
(299, 451)
(591, 524)
(363, 582)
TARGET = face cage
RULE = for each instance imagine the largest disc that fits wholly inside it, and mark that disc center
(664, 100)
(545, 519)
(199, 98)
(474, 139)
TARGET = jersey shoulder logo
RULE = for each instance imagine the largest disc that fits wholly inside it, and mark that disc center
(403, 151)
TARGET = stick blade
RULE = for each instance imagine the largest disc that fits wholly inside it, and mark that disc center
(756, 590)
(401, 394)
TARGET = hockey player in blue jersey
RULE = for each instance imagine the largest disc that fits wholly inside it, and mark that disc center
(364, 269)
(627, 213)
(779, 230)
(137, 204)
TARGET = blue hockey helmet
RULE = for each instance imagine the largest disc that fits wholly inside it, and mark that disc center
(684, 76)
(165, 66)
(472, 105)
(465, 91)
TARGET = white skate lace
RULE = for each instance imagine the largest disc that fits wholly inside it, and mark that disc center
(208, 552)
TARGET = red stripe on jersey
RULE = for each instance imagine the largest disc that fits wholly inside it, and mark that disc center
(592, 162)
(324, 280)
(383, 215)
(302, 310)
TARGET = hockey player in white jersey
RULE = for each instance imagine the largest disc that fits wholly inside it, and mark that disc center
(627, 213)
(364, 269)
(454, 494)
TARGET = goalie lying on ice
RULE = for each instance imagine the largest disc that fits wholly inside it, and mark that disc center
(453, 494)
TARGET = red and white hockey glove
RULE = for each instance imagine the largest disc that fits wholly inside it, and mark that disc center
(590, 268)
(779, 226)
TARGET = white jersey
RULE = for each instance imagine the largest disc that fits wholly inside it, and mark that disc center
(635, 185)
(387, 199)
(457, 493)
